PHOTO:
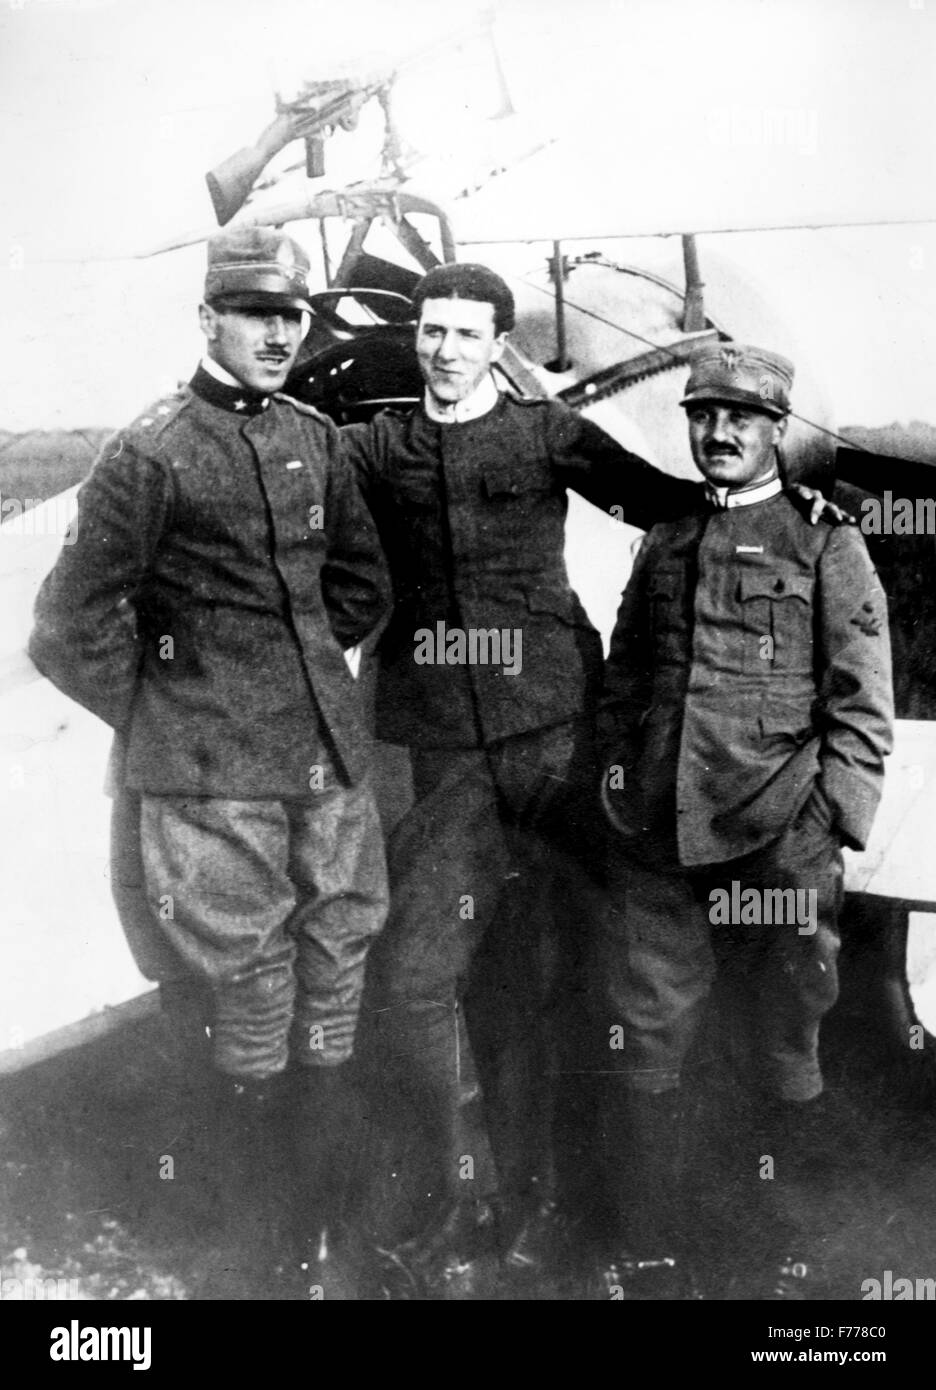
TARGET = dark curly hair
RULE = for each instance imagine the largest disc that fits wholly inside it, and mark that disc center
(467, 281)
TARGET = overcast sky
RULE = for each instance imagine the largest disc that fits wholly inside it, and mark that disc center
(724, 113)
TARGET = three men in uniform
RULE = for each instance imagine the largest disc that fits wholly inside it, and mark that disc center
(229, 549)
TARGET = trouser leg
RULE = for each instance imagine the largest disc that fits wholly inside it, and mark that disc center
(274, 907)
(511, 1030)
(655, 970)
(786, 964)
(217, 882)
(337, 864)
(514, 1041)
(154, 955)
(480, 817)
(655, 967)
(448, 860)
(522, 1006)
(798, 978)
(217, 877)
(258, 895)
(184, 997)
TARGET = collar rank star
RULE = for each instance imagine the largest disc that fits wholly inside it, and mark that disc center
(226, 395)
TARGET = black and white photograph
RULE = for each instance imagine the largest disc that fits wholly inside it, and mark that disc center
(468, 659)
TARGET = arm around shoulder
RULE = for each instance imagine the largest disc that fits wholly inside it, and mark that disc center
(613, 478)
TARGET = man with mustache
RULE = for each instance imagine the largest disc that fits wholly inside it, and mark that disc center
(746, 716)
(223, 561)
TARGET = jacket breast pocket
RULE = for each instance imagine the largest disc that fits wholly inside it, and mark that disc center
(776, 620)
(516, 480)
(521, 510)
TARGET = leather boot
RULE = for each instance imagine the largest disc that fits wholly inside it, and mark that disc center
(325, 1130)
(185, 1100)
(785, 1267)
(519, 1110)
(648, 1261)
(251, 1187)
(413, 1099)
(519, 1107)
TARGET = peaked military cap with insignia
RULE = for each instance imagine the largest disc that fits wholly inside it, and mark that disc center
(256, 267)
(742, 375)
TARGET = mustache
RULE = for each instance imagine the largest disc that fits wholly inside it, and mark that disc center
(712, 449)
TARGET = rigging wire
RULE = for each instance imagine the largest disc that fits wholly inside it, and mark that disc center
(662, 347)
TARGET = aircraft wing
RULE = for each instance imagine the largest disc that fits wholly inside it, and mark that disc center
(67, 972)
(601, 190)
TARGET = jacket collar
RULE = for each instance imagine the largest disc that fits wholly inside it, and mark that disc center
(723, 498)
(219, 388)
(482, 400)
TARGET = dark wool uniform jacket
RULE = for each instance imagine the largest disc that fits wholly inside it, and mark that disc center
(749, 663)
(472, 516)
(221, 564)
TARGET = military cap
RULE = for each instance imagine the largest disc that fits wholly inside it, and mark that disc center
(741, 374)
(256, 266)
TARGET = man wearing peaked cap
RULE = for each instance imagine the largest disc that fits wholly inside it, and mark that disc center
(256, 266)
(746, 375)
(223, 562)
(746, 716)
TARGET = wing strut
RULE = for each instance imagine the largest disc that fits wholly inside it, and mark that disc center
(694, 315)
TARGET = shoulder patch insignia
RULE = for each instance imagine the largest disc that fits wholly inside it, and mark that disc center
(867, 620)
